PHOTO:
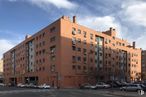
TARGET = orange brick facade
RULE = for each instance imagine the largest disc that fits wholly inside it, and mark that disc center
(66, 54)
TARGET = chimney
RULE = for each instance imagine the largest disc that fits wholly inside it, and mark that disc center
(27, 36)
(111, 29)
(134, 45)
(65, 17)
(74, 19)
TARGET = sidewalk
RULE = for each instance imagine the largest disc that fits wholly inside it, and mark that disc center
(125, 94)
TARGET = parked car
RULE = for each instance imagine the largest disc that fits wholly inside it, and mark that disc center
(30, 85)
(87, 86)
(1, 84)
(132, 87)
(20, 85)
(124, 83)
(102, 85)
(143, 87)
(144, 83)
(114, 84)
(44, 86)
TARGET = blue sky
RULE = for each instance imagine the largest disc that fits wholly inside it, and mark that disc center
(21, 17)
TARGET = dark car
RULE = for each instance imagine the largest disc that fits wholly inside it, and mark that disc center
(143, 87)
(114, 84)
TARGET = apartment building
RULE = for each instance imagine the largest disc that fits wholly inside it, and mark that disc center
(1, 65)
(143, 64)
(67, 54)
(1, 70)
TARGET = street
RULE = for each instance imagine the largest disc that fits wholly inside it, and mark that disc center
(25, 92)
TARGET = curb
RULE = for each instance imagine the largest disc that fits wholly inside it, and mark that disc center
(124, 94)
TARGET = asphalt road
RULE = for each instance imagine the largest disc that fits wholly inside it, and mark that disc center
(24, 92)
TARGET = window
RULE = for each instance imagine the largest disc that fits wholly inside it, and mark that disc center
(73, 48)
(43, 68)
(52, 57)
(73, 40)
(79, 58)
(73, 59)
(84, 33)
(106, 41)
(79, 49)
(40, 44)
(100, 62)
(37, 38)
(91, 36)
(91, 51)
(91, 44)
(119, 44)
(40, 52)
(52, 39)
(79, 67)
(79, 31)
(52, 67)
(40, 61)
(123, 44)
(36, 45)
(52, 49)
(84, 59)
(52, 29)
(91, 60)
(84, 68)
(40, 36)
(73, 67)
(79, 40)
(96, 53)
(43, 51)
(91, 68)
(84, 41)
(43, 60)
(43, 43)
(73, 31)
(36, 53)
(43, 34)
(84, 51)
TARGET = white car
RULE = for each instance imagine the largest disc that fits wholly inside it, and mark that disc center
(132, 87)
(1, 84)
(102, 85)
(44, 86)
(87, 86)
(20, 85)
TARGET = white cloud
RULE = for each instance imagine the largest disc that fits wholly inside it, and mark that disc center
(141, 41)
(66, 4)
(136, 13)
(101, 23)
(5, 46)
